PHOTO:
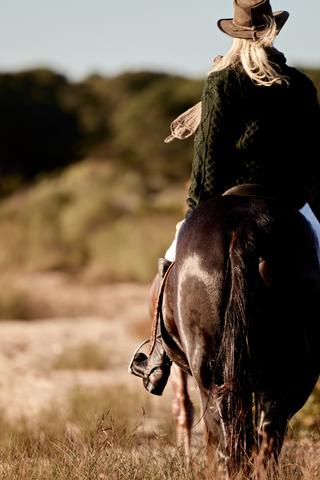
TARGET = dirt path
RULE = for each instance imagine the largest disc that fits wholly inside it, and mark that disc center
(113, 317)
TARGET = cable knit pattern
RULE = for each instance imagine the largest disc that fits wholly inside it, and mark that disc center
(254, 134)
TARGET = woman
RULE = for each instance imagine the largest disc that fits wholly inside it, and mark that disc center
(258, 123)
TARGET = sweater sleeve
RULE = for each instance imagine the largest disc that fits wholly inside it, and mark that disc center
(213, 142)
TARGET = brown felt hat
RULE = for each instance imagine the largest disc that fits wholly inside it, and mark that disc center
(249, 19)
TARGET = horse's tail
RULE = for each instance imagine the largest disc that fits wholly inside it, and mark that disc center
(234, 358)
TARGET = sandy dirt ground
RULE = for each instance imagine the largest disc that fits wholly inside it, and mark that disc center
(114, 317)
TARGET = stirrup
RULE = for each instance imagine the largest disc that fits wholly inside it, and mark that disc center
(136, 351)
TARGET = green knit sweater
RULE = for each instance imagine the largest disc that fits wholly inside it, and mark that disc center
(256, 134)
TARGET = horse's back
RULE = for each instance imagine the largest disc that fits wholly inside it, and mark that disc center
(279, 238)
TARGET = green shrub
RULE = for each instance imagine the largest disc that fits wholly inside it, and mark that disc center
(85, 357)
(93, 219)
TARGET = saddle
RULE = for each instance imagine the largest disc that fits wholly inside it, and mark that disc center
(249, 190)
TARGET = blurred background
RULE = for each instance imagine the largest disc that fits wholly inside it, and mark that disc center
(87, 94)
(89, 192)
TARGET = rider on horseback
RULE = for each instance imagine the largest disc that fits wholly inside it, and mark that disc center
(258, 123)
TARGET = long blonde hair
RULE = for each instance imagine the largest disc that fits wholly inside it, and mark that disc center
(252, 54)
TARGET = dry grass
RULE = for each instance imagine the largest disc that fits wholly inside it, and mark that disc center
(122, 443)
(14, 304)
(134, 439)
(85, 357)
(104, 452)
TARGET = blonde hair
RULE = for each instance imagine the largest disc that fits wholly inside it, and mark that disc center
(252, 54)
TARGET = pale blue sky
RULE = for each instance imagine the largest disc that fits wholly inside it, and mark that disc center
(79, 37)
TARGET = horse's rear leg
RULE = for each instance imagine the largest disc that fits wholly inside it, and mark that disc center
(271, 434)
(182, 408)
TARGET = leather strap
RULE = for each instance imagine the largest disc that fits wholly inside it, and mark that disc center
(157, 310)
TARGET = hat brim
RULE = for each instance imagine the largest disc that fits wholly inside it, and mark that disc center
(229, 28)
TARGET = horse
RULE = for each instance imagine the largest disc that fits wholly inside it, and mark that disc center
(241, 314)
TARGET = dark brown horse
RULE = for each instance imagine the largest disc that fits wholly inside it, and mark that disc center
(241, 314)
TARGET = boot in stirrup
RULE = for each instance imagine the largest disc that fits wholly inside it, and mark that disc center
(154, 369)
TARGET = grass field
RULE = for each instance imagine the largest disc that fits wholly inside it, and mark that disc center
(93, 443)
(83, 416)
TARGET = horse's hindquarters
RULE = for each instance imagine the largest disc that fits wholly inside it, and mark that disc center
(244, 330)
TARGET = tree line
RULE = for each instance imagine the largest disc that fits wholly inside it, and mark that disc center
(48, 122)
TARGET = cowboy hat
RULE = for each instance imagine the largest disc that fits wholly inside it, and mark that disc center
(249, 19)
